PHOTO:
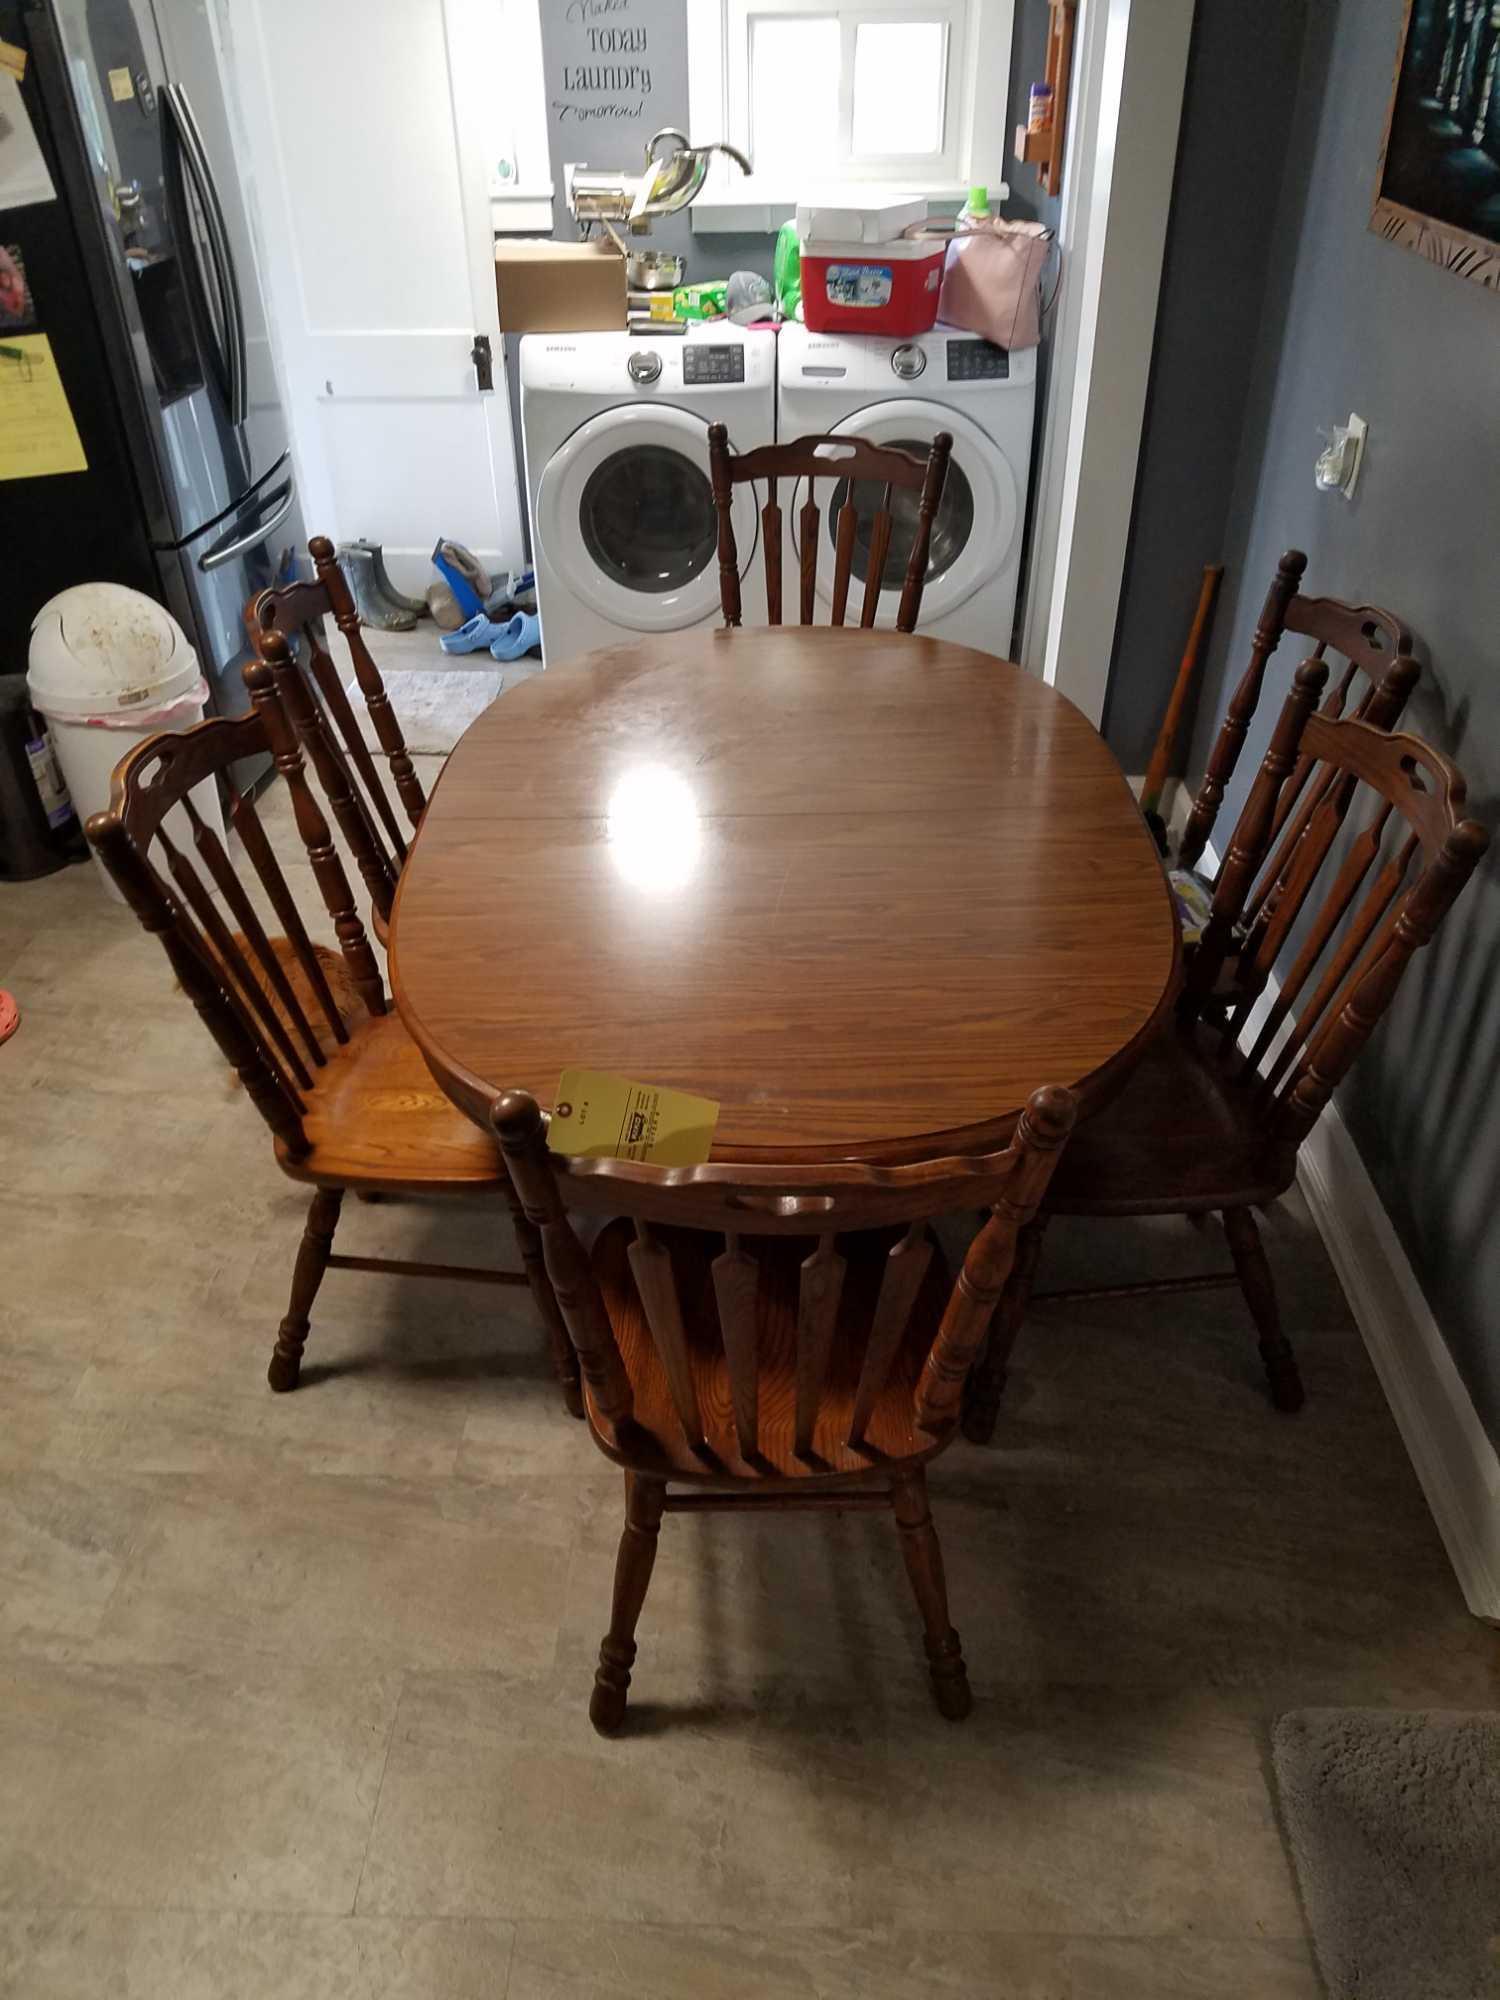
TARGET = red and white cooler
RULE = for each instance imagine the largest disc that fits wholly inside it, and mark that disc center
(860, 274)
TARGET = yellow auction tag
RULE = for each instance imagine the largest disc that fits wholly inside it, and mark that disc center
(600, 1116)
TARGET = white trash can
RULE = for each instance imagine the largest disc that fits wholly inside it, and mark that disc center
(109, 667)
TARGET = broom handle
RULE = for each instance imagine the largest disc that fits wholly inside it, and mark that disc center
(1161, 757)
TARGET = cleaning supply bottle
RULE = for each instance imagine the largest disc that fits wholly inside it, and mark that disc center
(787, 271)
(977, 207)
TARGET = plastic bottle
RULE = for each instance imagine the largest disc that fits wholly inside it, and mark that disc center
(977, 207)
(787, 271)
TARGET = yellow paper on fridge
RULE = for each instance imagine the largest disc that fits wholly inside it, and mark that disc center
(600, 1116)
(37, 431)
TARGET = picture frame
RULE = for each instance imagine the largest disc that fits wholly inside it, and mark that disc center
(1437, 187)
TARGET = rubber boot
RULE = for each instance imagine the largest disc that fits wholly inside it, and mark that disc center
(359, 568)
(397, 600)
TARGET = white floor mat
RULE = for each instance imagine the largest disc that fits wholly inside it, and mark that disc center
(434, 705)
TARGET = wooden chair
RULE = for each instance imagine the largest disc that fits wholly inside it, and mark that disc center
(1212, 1118)
(329, 729)
(306, 1030)
(759, 1339)
(1378, 676)
(836, 458)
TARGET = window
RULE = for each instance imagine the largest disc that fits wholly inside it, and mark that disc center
(907, 92)
(865, 90)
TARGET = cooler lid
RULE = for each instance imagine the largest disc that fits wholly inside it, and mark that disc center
(850, 216)
(97, 648)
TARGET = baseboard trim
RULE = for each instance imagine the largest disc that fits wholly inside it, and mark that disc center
(1453, 1458)
(1457, 1465)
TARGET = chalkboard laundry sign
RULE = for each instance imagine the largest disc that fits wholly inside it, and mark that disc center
(615, 71)
(607, 61)
(608, 83)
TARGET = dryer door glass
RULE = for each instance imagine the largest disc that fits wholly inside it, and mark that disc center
(951, 528)
(647, 518)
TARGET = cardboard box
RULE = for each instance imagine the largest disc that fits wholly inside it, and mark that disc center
(546, 287)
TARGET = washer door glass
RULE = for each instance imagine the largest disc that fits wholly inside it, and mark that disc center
(646, 515)
(625, 515)
(951, 528)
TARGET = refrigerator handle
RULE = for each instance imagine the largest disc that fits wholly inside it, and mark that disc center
(190, 156)
(237, 538)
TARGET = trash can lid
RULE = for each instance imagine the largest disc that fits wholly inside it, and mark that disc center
(98, 648)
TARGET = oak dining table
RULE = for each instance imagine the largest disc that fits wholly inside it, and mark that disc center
(865, 890)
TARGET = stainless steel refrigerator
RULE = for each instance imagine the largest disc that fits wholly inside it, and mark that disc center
(141, 272)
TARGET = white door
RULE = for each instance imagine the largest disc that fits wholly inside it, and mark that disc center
(369, 134)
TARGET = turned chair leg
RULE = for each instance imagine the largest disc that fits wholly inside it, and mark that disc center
(986, 1383)
(924, 1566)
(644, 1500)
(313, 1253)
(1254, 1273)
(559, 1346)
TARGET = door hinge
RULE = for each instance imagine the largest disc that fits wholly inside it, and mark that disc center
(484, 361)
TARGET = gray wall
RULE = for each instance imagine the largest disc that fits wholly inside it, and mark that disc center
(1416, 351)
(1223, 282)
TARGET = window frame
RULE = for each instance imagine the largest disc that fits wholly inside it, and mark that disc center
(977, 72)
(741, 18)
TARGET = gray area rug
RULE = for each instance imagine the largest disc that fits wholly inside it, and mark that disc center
(434, 705)
(1394, 1822)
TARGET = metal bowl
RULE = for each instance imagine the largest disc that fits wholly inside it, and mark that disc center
(653, 271)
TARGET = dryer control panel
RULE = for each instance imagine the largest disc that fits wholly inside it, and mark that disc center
(977, 361)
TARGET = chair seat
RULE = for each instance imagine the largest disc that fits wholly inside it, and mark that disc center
(375, 1118)
(1183, 1134)
(891, 1434)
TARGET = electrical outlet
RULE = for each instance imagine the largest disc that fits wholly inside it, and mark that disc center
(1341, 457)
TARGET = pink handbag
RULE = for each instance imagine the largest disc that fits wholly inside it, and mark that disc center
(992, 280)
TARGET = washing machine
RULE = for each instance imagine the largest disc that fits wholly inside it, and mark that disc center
(615, 434)
(903, 392)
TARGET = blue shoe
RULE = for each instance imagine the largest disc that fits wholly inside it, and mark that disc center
(519, 636)
(474, 636)
(465, 595)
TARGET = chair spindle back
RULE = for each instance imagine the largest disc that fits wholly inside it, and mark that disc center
(841, 459)
(267, 1009)
(1379, 847)
(730, 1214)
(1377, 678)
(328, 726)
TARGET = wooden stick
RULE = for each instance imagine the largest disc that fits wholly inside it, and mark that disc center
(1160, 766)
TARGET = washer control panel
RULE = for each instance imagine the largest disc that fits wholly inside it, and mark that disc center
(704, 364)
(977, 361)
(644, 366)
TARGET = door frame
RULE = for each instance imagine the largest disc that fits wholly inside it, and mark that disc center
(1125, 109)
